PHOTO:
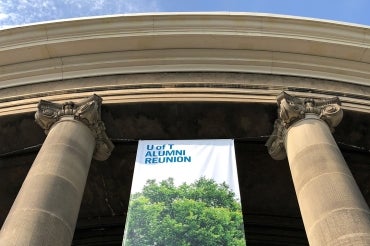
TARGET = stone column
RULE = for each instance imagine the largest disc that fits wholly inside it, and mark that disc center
(46, 208)
(333, 209)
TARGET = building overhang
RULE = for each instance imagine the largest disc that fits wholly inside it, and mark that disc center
(228, 42)
(55, 53)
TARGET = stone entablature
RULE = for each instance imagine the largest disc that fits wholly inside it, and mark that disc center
(241, 42)
(68, 55)
(175, 87)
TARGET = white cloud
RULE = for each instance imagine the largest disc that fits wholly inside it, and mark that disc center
(3, 16)
(98, 4)
(18, 12)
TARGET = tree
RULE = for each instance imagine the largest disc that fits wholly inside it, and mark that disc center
(202, 213)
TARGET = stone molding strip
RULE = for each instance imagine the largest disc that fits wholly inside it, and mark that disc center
(223, 87)
(170, 94)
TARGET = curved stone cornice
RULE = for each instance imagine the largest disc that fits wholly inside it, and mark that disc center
(292, 109)
(226, 42)
(87, 111)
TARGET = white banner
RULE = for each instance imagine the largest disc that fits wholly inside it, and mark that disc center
(185, 192)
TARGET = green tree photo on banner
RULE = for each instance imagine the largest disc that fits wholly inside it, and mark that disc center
(201, 213)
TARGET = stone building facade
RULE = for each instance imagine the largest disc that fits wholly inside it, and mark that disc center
(299, 86)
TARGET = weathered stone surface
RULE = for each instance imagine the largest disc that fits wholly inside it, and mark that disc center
(332, 207)
(292, 109)
(47, 206)
(87, 111)
(331, 204)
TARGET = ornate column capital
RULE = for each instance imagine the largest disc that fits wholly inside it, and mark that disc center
(87, 111)
(292, 109)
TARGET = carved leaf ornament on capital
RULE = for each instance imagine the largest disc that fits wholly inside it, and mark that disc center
(87, 111)
(292, 109)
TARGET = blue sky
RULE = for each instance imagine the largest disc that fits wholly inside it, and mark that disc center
(20, 12)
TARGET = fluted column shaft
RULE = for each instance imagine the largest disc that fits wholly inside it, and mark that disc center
(333, 209)
(47, 206)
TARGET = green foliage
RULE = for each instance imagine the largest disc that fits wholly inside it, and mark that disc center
(202, 213)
